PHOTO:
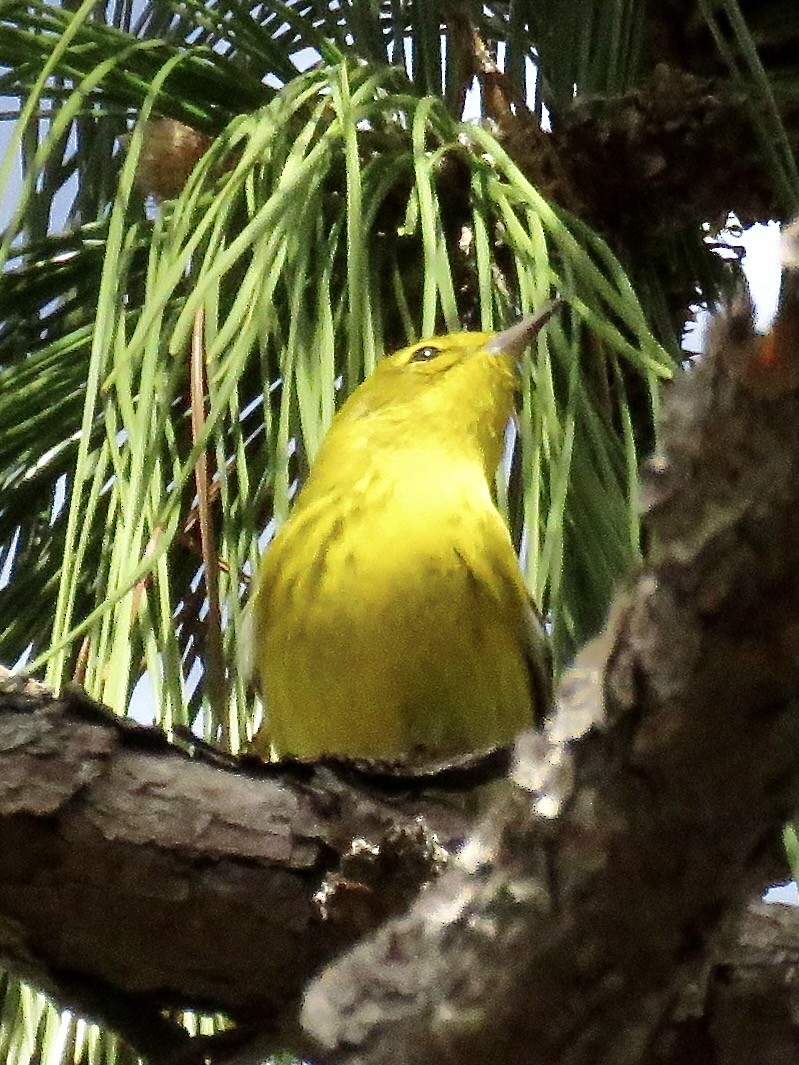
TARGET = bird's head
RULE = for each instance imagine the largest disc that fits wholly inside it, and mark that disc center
(456, 389)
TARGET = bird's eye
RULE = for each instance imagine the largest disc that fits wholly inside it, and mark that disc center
(425, 354)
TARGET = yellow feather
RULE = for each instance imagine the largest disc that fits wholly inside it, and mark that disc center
(390, 619)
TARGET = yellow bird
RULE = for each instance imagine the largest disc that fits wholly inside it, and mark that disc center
(390, 620)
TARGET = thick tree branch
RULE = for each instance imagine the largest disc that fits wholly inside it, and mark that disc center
(744, 1007)
(135, 876)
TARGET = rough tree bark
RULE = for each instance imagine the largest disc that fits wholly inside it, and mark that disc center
(149, 876)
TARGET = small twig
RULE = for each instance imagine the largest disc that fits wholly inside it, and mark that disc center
(214, 661)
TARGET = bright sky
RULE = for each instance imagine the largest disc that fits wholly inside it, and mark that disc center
(762, 268)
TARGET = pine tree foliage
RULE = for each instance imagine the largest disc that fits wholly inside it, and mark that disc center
(225, 213)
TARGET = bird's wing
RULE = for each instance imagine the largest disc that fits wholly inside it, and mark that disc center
(496, 566)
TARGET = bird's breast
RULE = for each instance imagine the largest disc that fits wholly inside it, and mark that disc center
(393, 620)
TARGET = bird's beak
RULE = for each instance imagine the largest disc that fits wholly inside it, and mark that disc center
(515, 340)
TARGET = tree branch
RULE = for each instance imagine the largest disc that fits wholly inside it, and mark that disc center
(745, 1006)
(136, 876)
